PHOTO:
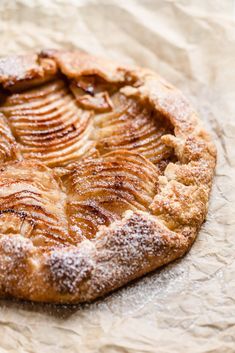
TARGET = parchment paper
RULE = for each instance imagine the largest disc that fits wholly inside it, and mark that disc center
(188, 306)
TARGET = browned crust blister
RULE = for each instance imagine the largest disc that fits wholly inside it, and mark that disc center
(142, 240)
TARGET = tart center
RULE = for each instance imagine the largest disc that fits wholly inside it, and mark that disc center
(85, 153)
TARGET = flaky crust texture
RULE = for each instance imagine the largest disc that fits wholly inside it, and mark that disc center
(130, 246)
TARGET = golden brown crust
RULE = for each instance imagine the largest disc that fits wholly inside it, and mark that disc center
(43, 256)
(76, 64)
(25, 70)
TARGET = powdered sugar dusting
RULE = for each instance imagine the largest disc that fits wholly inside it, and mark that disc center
(69, 268)
(14, 252)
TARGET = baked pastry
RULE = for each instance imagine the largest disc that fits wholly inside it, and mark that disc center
(105, 174)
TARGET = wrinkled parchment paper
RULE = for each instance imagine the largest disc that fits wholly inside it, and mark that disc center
(188, 306)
